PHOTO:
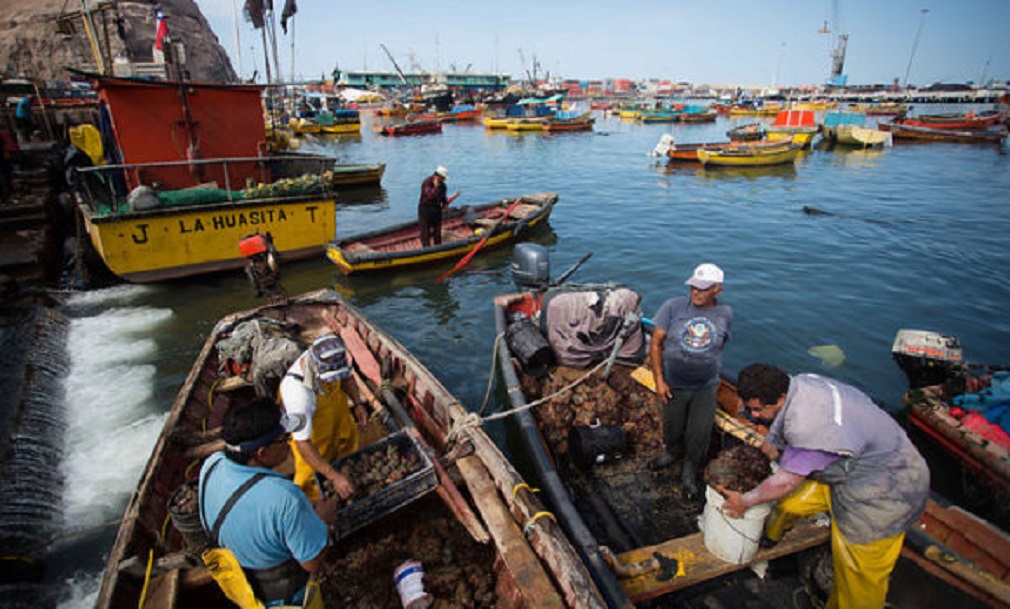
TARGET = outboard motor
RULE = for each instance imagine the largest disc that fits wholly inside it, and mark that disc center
(927, 358)
(531, 267)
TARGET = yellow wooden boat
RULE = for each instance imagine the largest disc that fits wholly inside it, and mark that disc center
(400, 246)
(629, 114)
(801, 138)
(750, 156)
(752, 110)
(525, 124)
(495, 122)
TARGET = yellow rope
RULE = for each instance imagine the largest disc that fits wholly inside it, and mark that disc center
(533, 519)
(147, 579)
(522, 485)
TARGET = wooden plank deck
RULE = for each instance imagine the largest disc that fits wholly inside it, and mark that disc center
(699, 565)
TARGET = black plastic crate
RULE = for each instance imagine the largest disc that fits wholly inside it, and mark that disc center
(366, 510)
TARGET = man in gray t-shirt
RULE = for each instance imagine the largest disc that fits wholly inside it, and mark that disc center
(686, 359)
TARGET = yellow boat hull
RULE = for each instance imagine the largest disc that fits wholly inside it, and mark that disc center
(161, 244)
(525, 125)
(749, 158)
(802, 138)
(494, 122)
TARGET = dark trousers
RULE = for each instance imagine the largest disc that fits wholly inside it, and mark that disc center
(430, 220)
(690, 415)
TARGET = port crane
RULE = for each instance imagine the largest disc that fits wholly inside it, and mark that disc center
(837, 77)
(403, 78)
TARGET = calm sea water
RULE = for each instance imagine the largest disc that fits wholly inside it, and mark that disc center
(915, 237)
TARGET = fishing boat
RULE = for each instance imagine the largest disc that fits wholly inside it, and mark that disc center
(901, 131)
(752, 108)
(339, 122)
(849, 129)
(881, 109)
(410, 127)
(751, 156)
(176, 195)
(705, 116)
(658, 116)
(526, 124)
(362, 174)
(958, 122)
(463, 229)
(463, 511)
(491, 121)
(943, 402)
(569, 121)
(590, 437)
(748, 132)
(688, 153)
(462, 114)
(590, 422)
(800, 126)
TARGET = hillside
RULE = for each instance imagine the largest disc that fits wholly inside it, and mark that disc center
(31, 46)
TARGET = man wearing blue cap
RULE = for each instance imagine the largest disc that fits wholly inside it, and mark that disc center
(274, 532)
(313, 389)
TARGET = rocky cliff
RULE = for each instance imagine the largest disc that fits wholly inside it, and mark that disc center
(32, 45)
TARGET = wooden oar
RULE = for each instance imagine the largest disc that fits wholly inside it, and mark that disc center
(487, 234)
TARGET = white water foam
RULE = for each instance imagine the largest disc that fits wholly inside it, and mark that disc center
(113, 421)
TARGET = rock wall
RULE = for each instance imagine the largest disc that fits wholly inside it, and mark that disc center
(31, 46)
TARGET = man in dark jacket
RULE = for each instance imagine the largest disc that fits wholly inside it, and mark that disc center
(429, 208)
(842, 454)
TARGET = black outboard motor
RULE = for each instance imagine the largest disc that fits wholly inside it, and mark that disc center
(927, 358)
(531, 267)
(531, 272)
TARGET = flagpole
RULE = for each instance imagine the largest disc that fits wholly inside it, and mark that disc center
(238, 44)
(292, 50)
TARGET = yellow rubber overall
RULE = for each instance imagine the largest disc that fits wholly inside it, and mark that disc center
(861, 571)
(334, 434)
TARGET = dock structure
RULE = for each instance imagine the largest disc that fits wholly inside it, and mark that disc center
(29, 248)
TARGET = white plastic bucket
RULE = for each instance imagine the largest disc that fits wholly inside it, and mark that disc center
(734, 540)
(409, 583)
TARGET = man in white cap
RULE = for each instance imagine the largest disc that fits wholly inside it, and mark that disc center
(686, 358)
(312, 388)
(429, 208)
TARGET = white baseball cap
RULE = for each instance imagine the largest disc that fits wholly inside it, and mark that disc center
(442, 171)
(705, 276)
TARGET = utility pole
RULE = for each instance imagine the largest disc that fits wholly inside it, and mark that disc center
(915, 45)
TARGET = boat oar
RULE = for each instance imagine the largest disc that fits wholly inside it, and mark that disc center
(487, 234)
(563, 276)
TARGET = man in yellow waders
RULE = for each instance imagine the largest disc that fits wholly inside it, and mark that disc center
(312, 388)
(266, 538)
(842, 454)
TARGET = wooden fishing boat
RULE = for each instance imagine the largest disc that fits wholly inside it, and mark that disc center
(658, 116)
(157, 212)
(697, 117)
(957, 122)
(858, 135)
(631, 523)
(461, 114)
(753, 109)
(901, 131)
(479, 534)
(495, 122)
(688, 153)
(981, 447)
(462, 229)
(410, 127)
(365, 174)
(526, 124)
(800, 126)
(882, 109)
(580, 122)
(747, 132)
(750, 156)
(618, 512)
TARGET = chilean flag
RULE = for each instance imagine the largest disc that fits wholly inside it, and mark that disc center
(162, 30)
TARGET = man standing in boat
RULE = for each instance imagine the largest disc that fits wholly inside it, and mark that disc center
(277, 536)
(840, 453)
(429, 208)
(686, 358)
(313, 388)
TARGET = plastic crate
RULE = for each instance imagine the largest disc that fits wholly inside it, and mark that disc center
(388, 499)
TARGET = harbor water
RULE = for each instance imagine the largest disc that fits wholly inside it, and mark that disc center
(912, 236)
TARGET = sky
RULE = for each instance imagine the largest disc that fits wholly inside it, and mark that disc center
(769, 42)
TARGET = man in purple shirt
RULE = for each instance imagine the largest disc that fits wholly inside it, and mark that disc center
(841, 454)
